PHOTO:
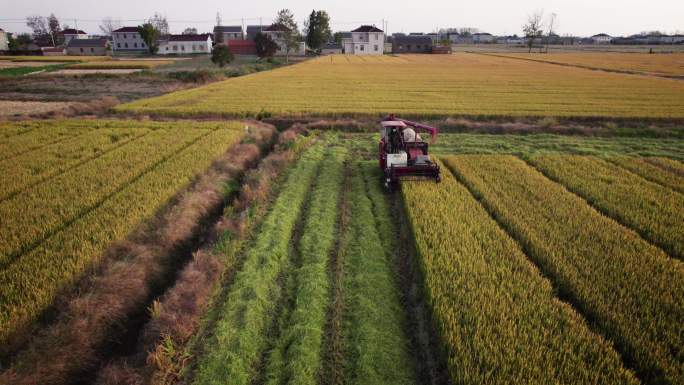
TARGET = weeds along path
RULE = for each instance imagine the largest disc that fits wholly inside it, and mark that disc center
(30, 285)
(241, 334)
(654, 211)
(113, 304)
(657, 170)
(628, 290)
(376, 347)
(182, 317)
(498, 317)
(297, 354)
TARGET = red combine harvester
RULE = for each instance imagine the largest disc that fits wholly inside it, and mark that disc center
(403, 154)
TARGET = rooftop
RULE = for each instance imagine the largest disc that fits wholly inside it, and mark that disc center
(87, 43)
(127, 29)
(202, 37)
(367, 28)
(72, 31)
(228, 28)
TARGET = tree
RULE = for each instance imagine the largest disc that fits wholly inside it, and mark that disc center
(12, 43)
(265, 46)
(160, 23)
(190, 31)
(221, 55)
(218, 19)
(55, 30)
(551, 32)
(150, 34)
(337, 37)
(109, 25)
(38, 25)
(317, 30)
(23, 40)
(533, 28)
(286, 20)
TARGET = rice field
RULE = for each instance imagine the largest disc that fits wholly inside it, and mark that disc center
(426, 86)
(671, 64)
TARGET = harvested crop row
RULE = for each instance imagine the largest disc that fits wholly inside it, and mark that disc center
(28, 218)
(669, 165)
(654, 211)
(632, 291)
(651, 169)
(497, 316)
(240, 334)
(297, 354)
(37, 138)
(29, 285)
(31, 168)
(376, 348)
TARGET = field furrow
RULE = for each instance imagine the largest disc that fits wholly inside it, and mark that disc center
(486, 298)
(376, 348)
(668, 164)
(654, 211)
(630, 290)
(239, 336)
(28, 218)
(31, 168)
(297, 354)
(30, 284)
(653, 169)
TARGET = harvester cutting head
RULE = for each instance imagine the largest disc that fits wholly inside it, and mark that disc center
(403, 154)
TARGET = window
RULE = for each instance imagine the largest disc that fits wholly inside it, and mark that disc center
(81, 50)
(182, 47)
(126, 45)
(408, 47)
(175, 48)
(124, 35)
(142, 45)
(194, 47)
(376, 48)
(167, 47)
(118, 45)
(375, 37)
(92, 50)
(135, 45)
(361, 48)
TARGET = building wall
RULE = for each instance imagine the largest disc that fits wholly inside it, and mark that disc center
(366, 43)
(128, 42)
(87, 51)
(184, 47)
(4, 41)
(67, 38)
(412, 47)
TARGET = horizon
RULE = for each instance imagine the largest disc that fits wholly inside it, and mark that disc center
(615, 18)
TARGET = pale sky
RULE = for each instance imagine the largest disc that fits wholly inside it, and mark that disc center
(499, 17)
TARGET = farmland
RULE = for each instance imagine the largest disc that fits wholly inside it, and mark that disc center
(198, 251)
(671, 65)
(414, 85)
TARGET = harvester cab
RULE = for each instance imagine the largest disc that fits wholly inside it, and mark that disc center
(403, 154)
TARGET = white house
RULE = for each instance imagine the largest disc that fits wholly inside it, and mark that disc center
(185, 45)
(365, 40)
(483, 38)
(71, 33)
(127, 39)
(601, 38)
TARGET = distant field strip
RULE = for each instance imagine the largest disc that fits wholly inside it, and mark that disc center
(426, 85)
(32, 167)
(538, 144)
(632, 291)
(120, 64)
(60, 58)
(657, 170)
(30, 284)
(654, 211)
(487, 298)
(659, 64)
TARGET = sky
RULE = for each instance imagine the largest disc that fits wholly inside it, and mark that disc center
(499, 17)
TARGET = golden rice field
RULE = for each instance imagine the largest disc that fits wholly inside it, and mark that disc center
(120, 64)
(426, 85)
(70, 188)
(653, 64)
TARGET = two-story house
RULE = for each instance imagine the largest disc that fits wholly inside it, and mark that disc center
(483, 38)
(601, 38)
(71, 33)
(225, 33)
(127, 39)
(365, 40)
(4, 40)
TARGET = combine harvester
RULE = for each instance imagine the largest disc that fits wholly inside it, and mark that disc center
(403, 155)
